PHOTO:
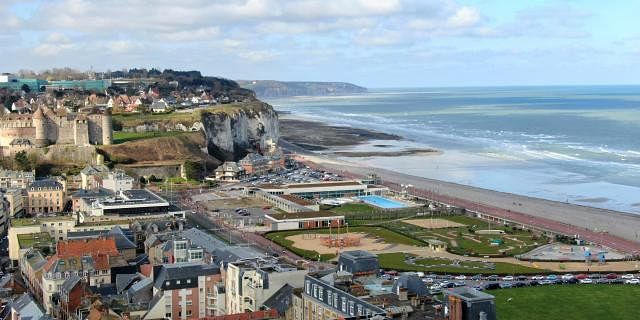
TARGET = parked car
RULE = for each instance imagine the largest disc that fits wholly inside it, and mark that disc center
(492, 277)
(492, 286)
(459, 283)
(427, 280)
(580, 276)
(627, 276)
(522, 278)
(520, 284)
(632, 281)
(611, 276)
(617, 281)
(552, 277)
(567, 276)
(586, 281)
(545, 282)
(477, 277)
(537, 278)
(507, 278)
(506, 285)
(461, 277)
(571, 281)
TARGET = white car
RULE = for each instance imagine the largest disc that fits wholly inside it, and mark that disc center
(586, 281)
(632, 281)
(427, 280)
(628, 276)
(567, 276)
(507, 278)
(461, 277)
(436, 287)
(538, 277)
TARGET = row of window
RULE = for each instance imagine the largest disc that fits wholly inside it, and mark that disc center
(336, 300)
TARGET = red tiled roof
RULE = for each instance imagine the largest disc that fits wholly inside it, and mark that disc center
(74, 248)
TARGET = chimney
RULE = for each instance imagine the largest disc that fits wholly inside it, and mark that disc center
(403, 294)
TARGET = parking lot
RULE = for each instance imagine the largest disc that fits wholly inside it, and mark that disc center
(437, 283)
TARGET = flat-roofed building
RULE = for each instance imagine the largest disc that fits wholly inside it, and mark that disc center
(322, 190)
(303, 220)
(465, 303)
(288, 202)
(358, 262)
(142, 202)
(16, 179)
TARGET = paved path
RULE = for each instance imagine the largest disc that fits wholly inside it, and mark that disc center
(616, 230)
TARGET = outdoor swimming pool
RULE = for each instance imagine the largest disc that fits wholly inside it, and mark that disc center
(382, 202)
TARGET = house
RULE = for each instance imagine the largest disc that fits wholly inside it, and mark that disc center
(159, 106)
(89, 259)
(229, 171)
(250, 283)
(184, 291)
(174, 250)
(72, 291)
(303, 220)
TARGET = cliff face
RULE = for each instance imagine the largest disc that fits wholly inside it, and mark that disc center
(232, 134)
(274, 89)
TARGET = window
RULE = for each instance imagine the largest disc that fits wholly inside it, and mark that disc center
(344, 304)
(168, 315)
(315, 291)
(329, 297)
(320, 296)
(167, 283)
(189, 302)
(188, 313)
(308, 287)
(177, 281)
(188, 280)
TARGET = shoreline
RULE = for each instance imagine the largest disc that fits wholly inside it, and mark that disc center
(622, 228)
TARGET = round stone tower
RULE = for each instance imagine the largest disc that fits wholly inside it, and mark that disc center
(107, 128)
(41, 128)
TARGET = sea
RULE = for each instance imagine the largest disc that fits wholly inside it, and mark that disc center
(575, 144)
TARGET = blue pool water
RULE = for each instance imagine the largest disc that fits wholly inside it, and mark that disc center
(382, 202)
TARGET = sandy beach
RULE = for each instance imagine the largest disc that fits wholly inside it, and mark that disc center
(607, 227)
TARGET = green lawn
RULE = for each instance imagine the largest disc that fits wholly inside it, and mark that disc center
(351, 208)
(464, 241)
(396, 261)
(122, 137)
(568, 302)
(384, 234)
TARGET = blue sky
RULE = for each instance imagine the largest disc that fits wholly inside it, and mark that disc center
(375, 43)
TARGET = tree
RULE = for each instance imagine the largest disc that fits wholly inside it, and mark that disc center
(192, 170)
(22, 161)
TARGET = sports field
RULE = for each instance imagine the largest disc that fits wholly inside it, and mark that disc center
(463, 235)
(568, 302)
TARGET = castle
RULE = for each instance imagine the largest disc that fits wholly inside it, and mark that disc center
(44, 127)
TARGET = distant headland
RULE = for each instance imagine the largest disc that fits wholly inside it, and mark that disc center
(278, 89)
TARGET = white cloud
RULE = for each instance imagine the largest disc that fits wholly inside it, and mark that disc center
(54, 44)
(464, 17)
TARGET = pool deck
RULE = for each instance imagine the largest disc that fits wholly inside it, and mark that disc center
(383, 202)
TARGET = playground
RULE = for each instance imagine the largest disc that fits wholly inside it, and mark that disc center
(325, 244)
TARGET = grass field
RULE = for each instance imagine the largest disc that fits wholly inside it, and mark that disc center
(464, 241)
(122, 137)
(384, 234)
(352, 208)
(397, 261)
(568, 302)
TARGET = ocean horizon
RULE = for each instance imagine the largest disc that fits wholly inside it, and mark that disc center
(577, 144)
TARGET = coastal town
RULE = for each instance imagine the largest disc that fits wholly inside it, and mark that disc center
(259, 228)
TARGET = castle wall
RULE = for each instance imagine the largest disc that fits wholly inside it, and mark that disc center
(7, 134)
(60, 130)
(81, 132)
(95, 129)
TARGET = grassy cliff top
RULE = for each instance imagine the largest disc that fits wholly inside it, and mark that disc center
(127, 120)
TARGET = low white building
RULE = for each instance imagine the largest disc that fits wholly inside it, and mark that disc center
(303, 220)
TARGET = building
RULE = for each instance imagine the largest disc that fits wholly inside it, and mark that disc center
(5, 213)
(358, 262)
(184, 291)
(142, 202)
(31, 266)
(72, 291)
(125, 246)
(174, 250)
(13, 179)
(229, 171)
(321, 190)
(288, 202)
(323, 299)
(465, 303)
(250, 283)
(303, 220)
(92, 176)
(45, 196)
(16, 200)
(89, 259)
(117, 180)
(25, 307)
(46, 127)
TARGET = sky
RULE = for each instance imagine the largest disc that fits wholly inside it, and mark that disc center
(374, 43)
